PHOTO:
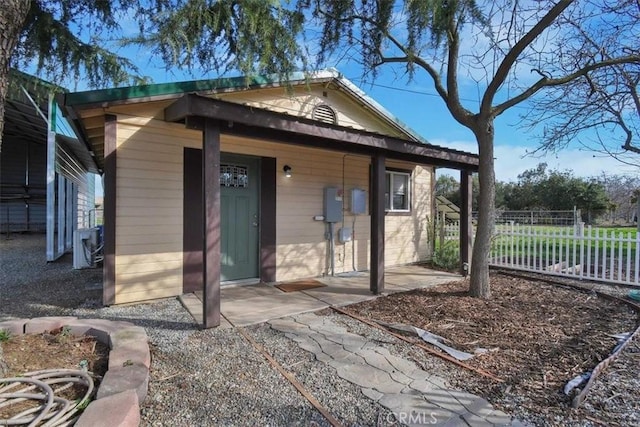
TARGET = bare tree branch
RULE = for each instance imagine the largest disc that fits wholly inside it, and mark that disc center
(453, 102)
(547, 82)
(512, 56)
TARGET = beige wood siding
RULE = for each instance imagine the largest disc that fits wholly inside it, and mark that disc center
(301, 245)
(302, 101)
(149, 208)
(298, 102)
(150, 187)
(406, 236)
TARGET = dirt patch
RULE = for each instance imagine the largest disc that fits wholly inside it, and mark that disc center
(536, 336)
(54, 350)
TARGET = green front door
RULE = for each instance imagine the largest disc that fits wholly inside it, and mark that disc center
(239, 216)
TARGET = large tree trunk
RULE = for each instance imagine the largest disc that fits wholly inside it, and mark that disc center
(479, 286)
(12, 16)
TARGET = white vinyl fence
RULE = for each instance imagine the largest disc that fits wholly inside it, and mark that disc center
(580, 252)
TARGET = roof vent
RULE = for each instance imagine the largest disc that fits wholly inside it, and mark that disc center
(324, 113)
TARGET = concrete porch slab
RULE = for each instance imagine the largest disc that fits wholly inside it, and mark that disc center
(193, 304)
(251, 304)
(252, 310)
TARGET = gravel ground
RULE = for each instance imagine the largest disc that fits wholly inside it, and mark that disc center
(215, 377)
(198, 377)
(341, 398)
(31, 287)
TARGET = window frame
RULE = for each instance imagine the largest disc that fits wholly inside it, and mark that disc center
(406, 174)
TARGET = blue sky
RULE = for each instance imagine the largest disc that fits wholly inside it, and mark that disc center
(417, 105)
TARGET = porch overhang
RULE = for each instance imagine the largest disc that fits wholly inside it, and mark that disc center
(215, 117)
(242, 120)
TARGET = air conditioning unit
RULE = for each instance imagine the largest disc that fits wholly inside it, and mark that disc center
(85, 243)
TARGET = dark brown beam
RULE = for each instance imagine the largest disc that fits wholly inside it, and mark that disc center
(193, 105)
(268, 219)
(192, 221)
(211, 216)
(239, 129)
(376, 278)
(109, 220)
(466, 226)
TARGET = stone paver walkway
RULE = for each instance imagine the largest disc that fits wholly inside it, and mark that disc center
(414, 396)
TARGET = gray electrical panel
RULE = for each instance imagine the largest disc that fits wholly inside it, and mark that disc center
(332, 204)
(358, 201)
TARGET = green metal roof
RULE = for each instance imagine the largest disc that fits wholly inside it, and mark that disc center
(38, 88)
(102, 96)
(160, 89)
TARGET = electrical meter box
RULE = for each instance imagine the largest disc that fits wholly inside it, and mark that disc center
(344, 235)
(358, 201)
(332, 204)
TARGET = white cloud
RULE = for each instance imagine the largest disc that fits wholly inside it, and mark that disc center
(513, 160)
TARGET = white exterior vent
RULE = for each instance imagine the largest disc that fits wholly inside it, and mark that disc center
(324, 113)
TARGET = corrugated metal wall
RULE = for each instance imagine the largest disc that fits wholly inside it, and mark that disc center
(87, 202)
(45, 185)
(23, 187)
(23, 193)
(83, 185)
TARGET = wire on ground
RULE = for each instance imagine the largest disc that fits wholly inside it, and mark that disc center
(420, 345)
(292, 379)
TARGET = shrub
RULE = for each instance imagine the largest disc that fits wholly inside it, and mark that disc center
(447, 256)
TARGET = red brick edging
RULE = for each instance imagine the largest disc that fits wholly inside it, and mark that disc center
(124, 386)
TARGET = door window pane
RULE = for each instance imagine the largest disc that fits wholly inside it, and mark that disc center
(234, 176)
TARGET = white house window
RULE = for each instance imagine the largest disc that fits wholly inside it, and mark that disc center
(397, 195)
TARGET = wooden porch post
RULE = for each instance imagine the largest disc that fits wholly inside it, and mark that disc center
(466, 226)
(211, 217)
(109, 213)
(376, 278)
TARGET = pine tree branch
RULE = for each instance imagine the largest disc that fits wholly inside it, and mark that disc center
(408, 56)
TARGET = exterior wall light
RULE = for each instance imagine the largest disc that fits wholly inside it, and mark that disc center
(287, 171)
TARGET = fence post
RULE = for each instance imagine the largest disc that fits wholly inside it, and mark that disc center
(512, 248)
(581, 236)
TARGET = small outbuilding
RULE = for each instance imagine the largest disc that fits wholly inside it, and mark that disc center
(47, 175)
(240, 180)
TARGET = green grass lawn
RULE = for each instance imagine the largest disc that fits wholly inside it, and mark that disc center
(545, 239)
